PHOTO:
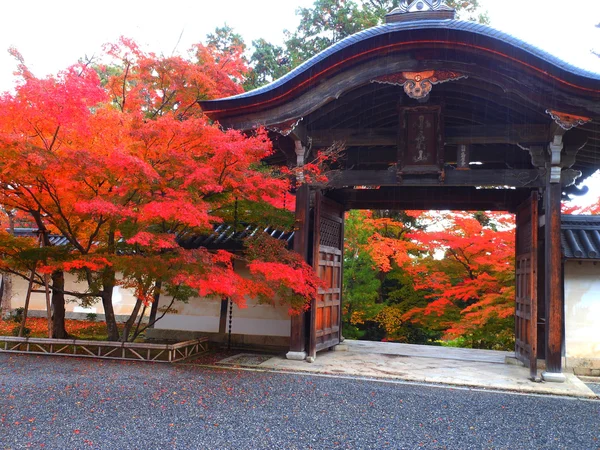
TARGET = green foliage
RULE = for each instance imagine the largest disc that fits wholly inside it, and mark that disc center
(224, 39)
(497, 334)
(325, 23)
(361, 283)
(17, 315)
(92, 317)
(322, 25)
(374, 300)
(268, 61)
(26, 331)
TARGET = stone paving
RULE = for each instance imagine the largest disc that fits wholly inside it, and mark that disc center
(461, 367)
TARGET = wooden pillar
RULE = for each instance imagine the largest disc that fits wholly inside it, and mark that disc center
(316, 241)
(554, 290)
(301, 242)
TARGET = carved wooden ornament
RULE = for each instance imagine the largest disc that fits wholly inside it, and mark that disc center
(567, 121)
(285, 128)
(418, 85)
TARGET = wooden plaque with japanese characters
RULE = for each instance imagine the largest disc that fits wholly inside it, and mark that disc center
(420, 143)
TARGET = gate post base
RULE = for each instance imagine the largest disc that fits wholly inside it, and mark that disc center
(554, 377)
(296, 356)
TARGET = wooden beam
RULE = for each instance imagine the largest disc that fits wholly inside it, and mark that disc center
(481, 177)
(299, 133)
(554, 288)
(431, 198)
(370, 158)
(301, 244)
(312, 336)
(478, 134)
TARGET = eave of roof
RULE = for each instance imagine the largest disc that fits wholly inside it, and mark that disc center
(224, 237)
(391, 36)
(580, 237)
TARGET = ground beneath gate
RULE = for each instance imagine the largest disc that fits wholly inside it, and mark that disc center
(457, 366)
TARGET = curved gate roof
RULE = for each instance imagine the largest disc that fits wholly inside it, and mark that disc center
(383, 40)
(500, 81)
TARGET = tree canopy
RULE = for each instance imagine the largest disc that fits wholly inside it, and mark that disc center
(325, 23)
(421, 277)
(116, 156)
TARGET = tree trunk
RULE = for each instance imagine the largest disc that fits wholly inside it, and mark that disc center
(109, 314)
(58, 305)
(131, 320)
(26, 307)
(136, 333)
(2, 281)
(154, 308)
(108, 283)
(6, 295)
(380, 299)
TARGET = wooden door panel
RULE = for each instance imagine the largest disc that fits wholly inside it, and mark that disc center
(526, 283)
(328, 235)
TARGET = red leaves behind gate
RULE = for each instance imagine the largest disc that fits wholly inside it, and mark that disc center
(474, 280)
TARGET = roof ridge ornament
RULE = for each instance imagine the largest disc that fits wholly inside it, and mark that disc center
(420, 10)
(418, 85)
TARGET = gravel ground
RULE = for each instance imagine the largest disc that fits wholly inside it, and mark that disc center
(594, 387)
(62, 403)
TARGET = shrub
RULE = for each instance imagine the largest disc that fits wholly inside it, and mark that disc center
(92, 317)
(26, 331)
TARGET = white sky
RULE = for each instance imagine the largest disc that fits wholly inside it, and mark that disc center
(52, 34)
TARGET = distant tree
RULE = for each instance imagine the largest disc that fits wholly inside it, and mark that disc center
(225, 40)
(227, 48)
(378, 290)
(471, 288)
(269, 62)
(325, 23)
(465, 9)
(322, 25)
(362, 284)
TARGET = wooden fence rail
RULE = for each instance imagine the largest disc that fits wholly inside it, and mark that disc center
(104, 349)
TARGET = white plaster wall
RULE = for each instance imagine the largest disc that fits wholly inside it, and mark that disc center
(582, 309)
(123, 299)
(199, 314)
(202, 314)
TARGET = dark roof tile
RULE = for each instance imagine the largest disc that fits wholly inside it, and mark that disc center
(580, 237)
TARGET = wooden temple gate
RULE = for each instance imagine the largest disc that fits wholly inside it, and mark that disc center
(434, 114)
(526, 270)
(328, 247)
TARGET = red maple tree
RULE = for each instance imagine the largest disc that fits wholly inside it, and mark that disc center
(120, 160)
(468, 272)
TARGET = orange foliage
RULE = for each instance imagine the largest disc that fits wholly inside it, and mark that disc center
(475, 276)
(119, 159)
(39, 327)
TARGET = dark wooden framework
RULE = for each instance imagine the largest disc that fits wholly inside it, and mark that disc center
(508, 104)
(328, 250)
(526, 283)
